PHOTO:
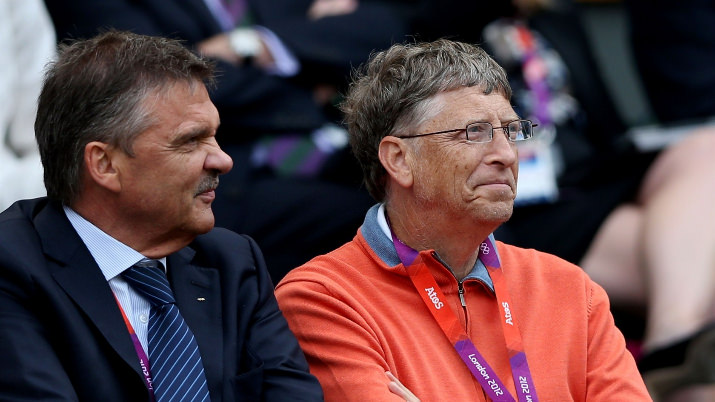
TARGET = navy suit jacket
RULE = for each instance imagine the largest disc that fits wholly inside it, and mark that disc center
(62, 336)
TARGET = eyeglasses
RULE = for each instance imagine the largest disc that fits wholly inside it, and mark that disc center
(482, 132)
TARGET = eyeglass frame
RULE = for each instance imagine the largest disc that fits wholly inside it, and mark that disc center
(491, 137)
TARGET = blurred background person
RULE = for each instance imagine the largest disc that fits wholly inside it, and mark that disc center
(674, 50)
(27, 43)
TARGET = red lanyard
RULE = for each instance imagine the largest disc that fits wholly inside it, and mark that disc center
(433, 298)
(143, 359)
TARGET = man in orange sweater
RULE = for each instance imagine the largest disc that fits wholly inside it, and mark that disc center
(424, 303)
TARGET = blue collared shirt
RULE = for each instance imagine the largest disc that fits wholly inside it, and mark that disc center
(113, 257)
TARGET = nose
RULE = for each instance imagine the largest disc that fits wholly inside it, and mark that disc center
(501, 150)
(216, 159)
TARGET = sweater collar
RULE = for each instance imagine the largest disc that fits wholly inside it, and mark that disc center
(377, 235)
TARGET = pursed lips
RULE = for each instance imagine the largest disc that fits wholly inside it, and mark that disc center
(506, 182)
(499, 185)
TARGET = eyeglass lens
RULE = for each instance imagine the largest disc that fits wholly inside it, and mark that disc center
(518, 130)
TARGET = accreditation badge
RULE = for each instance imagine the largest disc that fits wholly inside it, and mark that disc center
(538, 160)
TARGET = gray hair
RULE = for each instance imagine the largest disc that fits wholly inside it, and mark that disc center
(96, 91)
(391, 94)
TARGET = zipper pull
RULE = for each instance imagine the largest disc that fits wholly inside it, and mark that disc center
(461, 294)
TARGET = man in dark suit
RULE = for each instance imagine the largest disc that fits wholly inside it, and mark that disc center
(126, 132)
(293, 217)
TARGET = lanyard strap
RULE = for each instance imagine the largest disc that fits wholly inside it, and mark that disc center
(433, 297)
(143, 359)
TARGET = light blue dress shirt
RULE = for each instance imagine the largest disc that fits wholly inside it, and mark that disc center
(113, 257)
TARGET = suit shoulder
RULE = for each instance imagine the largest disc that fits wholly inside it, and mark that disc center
(20, 244)
(17, 221)
(222, 246)
(22, 211)
(220, 239)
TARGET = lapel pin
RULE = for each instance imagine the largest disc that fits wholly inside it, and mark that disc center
(201, 299)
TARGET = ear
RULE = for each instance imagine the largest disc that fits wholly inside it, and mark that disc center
(393, 154)
(99, 160)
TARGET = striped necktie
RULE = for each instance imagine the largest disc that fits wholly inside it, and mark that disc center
(176, 368)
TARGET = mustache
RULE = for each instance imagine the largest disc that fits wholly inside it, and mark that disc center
(208, 183)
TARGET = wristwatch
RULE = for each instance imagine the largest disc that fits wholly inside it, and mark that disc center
(245, 42)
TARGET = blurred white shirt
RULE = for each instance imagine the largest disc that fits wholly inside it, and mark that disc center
(27, 44)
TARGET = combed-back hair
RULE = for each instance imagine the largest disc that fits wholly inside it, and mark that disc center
(95, 91)
(391, 94)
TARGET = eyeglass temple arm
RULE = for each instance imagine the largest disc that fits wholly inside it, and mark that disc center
(426, 134)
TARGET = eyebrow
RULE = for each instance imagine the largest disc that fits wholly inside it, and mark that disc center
(194, 132)
(501, 119)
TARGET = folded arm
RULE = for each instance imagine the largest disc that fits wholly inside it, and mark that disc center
(343, 351)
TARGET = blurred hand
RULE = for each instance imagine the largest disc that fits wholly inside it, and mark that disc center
(219, 46)
(327, 8)
(396, 387)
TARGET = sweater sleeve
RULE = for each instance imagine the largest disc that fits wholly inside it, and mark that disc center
(342, 351)
(611, 370)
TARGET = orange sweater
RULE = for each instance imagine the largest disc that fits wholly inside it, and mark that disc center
(356, 314)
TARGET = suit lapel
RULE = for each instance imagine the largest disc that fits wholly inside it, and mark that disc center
(198, 294)
(196, 289)
(78, 274)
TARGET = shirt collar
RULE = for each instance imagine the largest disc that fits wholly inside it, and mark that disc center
(112, 256)
(377, 233)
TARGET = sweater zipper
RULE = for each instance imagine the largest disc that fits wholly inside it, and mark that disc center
(460, 289)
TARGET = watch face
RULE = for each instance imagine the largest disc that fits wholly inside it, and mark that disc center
(245, 42)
